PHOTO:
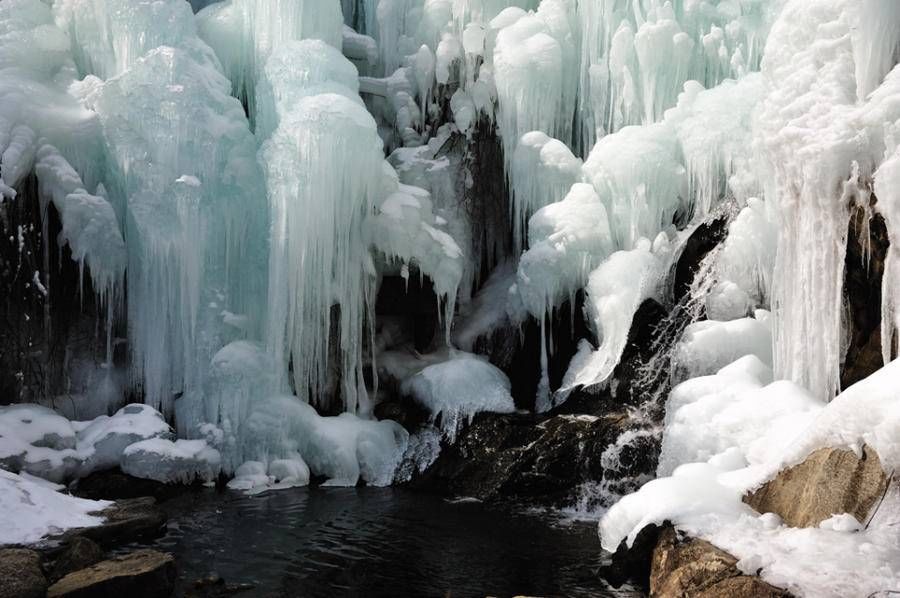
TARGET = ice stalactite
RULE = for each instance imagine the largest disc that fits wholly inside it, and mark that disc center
(533, 68)
(822, 145)
(543, 171)
(181, 167)
(244, 33)
(635, 56)
(319, 247)
(887, 189)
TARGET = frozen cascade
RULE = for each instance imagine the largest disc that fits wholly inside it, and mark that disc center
(171, 131)
(319, 254)
(821, 165)
(244, 33)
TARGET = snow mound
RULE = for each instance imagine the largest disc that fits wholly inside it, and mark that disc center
(30, 511)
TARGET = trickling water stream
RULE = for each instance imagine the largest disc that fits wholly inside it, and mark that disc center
(378, 542)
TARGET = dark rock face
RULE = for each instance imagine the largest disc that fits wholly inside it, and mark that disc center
(519, 457)
(113, 484)
(78, 554)
(141, 574)
(125, 521)
(867, 247)
(20, 574)
(690, 568)
(703, 240)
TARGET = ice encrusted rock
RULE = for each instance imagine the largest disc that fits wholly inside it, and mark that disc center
(181, 461)
(37, 440)
(343, 448)
(458, 388)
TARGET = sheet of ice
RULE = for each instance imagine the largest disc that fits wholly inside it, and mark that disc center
(636, 57)
(109, 36)
(567, 240)
(458, 388)
(30, 511)
(405, 229)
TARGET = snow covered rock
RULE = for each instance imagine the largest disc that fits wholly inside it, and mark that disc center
(181, 461)
(101, 442)
(37, 440)
(31, 509)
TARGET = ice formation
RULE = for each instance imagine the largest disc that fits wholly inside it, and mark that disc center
(237, 185)
(458, 388)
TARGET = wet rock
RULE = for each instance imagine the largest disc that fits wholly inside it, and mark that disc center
(112, 484)
(78, 554)
(520, 457)
(830, 481)
(692, 568)
(141, 574)
(125, 521)
(632, 564)
(703, 240)
(20, 574)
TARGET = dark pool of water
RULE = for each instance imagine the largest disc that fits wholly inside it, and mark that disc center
(378, 542)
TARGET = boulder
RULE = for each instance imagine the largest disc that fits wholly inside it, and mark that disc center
(692, 568)
(112, 484)
(141, 574)
(77, 554)
(830, 481)
(20, 574)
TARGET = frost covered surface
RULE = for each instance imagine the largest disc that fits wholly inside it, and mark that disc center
(458, 388)
(30, 511)
(729, 433)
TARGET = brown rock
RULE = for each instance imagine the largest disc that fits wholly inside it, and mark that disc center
(696, 569)
(141, 574)
(830, 481)
(20, 574)
(80, 553)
